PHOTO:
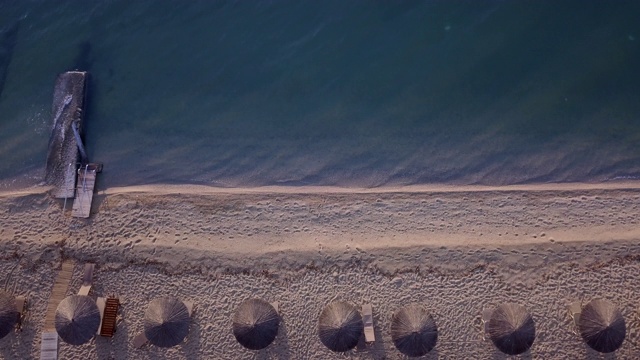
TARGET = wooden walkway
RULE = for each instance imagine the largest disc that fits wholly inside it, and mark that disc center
(58, 293)
(49, 341)
(49, 346)
(84, 195)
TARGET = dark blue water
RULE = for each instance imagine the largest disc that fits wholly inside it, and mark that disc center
(349, 93)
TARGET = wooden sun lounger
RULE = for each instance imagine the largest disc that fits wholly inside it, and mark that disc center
(189, 305)
(485, 316)
(367, 319)
(139, 340)
(575, 309)
(21, 307)
(108, 308)
(87, 279)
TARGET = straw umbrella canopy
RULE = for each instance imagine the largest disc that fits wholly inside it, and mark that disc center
(255, 324)
(340, 326)
(413, 330)
(166, 322)
(8, 313)
(77, 319)
(511, 328)
(602, 326)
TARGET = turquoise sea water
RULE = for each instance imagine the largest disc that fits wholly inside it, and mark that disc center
(348, 93)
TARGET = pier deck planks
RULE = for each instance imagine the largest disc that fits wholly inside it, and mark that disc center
(84, 194)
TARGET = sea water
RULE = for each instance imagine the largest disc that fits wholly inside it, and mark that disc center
(332, 92)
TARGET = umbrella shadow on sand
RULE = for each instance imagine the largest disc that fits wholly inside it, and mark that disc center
(260, 327)
(191, 346)
(511, 328)
(498, 355)
(279, 349)
(167, 323)
(602, 328)
(340, 326)
(413, 330)
(28, 332)
(77, 319)
(255, 324)
(377, 348)
(8, 313)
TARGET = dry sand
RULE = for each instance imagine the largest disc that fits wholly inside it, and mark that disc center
(456, 249)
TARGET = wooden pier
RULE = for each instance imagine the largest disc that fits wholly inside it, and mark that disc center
(84, 194)
(68, 169)
(67, 111)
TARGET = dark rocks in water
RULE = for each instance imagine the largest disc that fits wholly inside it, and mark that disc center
(63, 154)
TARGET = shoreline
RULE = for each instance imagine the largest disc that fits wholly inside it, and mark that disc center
(324, 225)
(187, 188)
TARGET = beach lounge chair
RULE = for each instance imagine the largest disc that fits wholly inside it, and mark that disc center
(485, 316)
(189, 304)
(21, 308)
(575, 309)
(367, 320)
(108, 313)
(139, 340)
(87, 279)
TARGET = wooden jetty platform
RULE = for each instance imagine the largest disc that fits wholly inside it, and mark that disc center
(63, 155)
(68, 169)
(84, 194)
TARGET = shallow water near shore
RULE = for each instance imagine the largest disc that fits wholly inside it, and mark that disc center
(365, 94)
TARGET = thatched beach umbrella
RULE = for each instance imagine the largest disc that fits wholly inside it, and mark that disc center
(602, 326)
(340, 326)
(413, 330)
(77, 319)
(166, 322)
(511, 328)
(255, 324)
(8, 313)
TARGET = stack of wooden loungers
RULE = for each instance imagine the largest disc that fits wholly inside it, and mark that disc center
(108, 327)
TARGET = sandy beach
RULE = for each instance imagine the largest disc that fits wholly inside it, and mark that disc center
(456, 249)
